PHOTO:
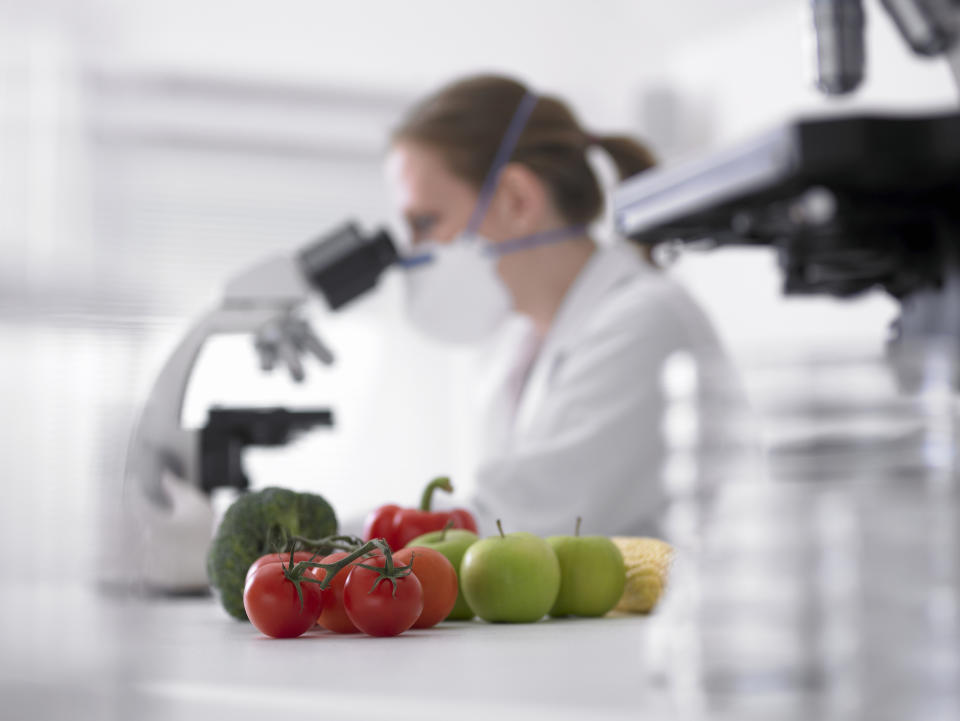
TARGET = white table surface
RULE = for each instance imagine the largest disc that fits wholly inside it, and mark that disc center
(114, 658)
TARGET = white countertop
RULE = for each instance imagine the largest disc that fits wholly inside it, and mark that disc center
(109, 658)
(68, 652)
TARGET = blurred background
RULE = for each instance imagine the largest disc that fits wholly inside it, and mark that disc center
(149, 149)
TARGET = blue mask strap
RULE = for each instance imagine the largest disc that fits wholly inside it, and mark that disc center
(412, 261)
(496, 250)
(525, 242)
(507, 145)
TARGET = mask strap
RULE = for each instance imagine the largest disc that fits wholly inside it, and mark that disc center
(412, 261)
(497, 250)
(525, 242)
(507, 145)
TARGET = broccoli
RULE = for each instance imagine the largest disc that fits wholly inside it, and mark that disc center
(247, 528)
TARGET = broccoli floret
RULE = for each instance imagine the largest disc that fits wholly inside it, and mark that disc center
(248, 526)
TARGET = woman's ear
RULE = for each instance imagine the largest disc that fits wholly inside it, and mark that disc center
(520, 203)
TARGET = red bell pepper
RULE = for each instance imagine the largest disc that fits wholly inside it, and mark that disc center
(398, 526)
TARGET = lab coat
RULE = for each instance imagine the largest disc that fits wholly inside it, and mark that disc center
(573, 425)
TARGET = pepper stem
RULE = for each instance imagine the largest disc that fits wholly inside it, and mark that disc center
(500, 528)
(443, 483)
(577, 530)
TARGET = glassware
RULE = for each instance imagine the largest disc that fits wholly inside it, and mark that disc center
(818, 538)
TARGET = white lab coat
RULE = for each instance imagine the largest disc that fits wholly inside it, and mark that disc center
(573, 424)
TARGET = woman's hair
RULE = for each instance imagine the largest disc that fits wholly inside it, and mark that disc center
(466, 120)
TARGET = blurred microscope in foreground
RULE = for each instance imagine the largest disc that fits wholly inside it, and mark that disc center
(826, 583)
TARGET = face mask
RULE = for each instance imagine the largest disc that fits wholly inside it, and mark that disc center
(454, 293)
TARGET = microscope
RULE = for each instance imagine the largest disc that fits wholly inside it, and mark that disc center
(171, 470)
(848, 203)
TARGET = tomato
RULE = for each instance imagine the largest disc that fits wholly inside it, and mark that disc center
(284, 557)
(334, 615)
(438, 578)
(378, 607)
(272, 604)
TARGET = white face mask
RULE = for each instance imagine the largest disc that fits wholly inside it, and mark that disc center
(454, 293)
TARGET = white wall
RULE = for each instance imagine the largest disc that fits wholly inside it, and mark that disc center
(597, 54)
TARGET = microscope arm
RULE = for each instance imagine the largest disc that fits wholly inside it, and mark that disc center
(160, 442)
(164, 487)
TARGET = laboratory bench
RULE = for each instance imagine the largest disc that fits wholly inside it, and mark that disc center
(120, 657)
(73, 652)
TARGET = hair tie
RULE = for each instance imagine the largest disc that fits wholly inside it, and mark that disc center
(591, 139)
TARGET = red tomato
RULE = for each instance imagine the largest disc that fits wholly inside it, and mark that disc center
(438, 578)
(378, 608)
(334, 615)
(284, 557)
(273, 605)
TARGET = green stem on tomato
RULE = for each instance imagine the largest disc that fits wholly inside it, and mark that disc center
(577, 530)
(388, 563)
(333, 568)
(443, 483)
(389, 572)
(500, 528)
(295, 572)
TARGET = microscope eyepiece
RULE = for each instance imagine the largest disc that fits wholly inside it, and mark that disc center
(345, 263)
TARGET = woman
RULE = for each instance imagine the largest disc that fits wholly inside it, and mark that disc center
(497, 192)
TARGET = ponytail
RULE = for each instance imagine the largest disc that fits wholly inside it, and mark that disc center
(630, 156)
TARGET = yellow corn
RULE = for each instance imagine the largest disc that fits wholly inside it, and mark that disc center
(647, 562)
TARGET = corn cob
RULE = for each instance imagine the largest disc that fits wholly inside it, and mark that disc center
(647, 562)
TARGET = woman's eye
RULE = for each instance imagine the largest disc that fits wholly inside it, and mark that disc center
(421, 224)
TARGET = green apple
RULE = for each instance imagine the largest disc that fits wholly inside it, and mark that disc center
(452, 543)
(592, 574)
(513, 577)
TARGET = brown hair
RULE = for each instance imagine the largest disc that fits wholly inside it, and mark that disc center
(466, 121)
